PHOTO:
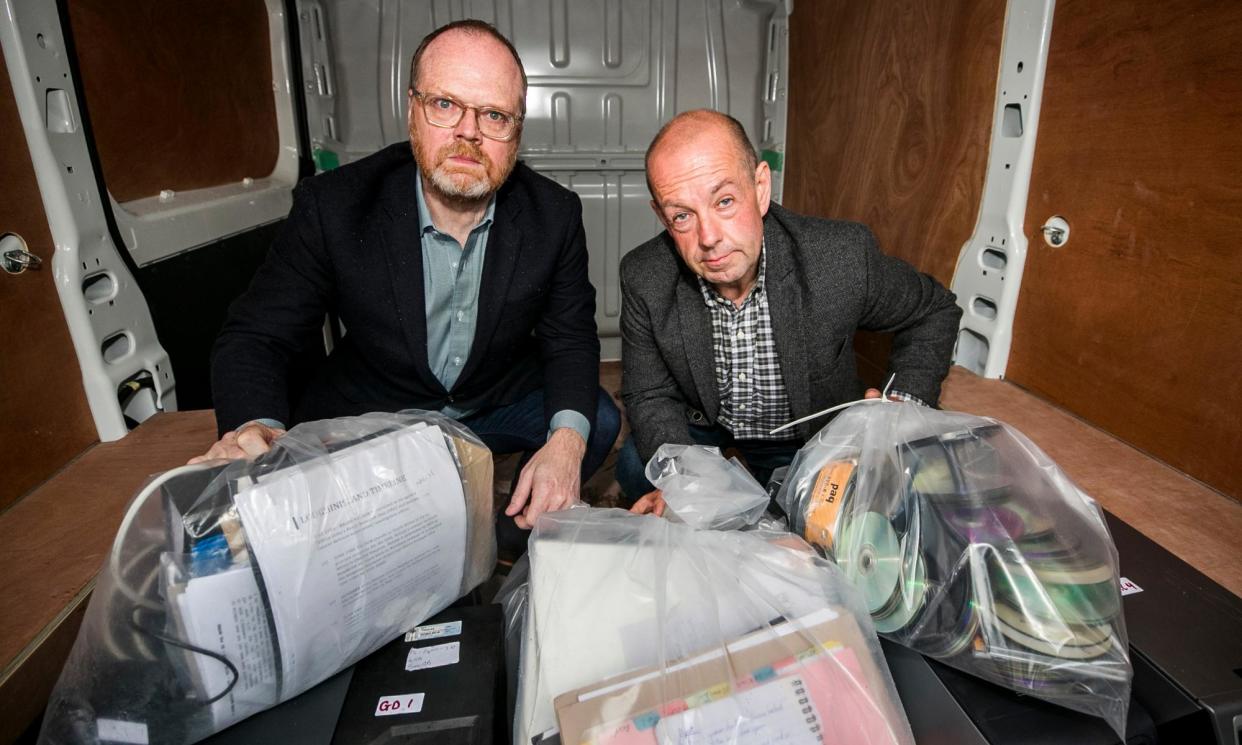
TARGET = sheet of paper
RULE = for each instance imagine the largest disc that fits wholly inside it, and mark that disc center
(776, 712)
(439, 655)
(224, 613)
(351, 547)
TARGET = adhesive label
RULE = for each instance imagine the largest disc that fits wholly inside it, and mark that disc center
(115, 730)
(404, 703)
(1128, 587)
(439, 655)
(433, 631)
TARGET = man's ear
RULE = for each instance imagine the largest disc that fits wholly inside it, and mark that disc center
(763, 186)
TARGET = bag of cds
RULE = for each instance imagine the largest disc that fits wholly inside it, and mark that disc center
(971, 546)
(234, 586)
(643, 630)
(704, 490)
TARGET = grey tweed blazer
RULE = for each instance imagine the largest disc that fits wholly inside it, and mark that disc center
(826, 279)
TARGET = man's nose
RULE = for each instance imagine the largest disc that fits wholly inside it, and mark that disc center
(468, 127)
(709, 232)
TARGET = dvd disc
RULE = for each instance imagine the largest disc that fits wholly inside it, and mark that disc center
(1035, 524)
(870, 556)
(948, 623)
(1077, 595)
(912, 591)
(1068, 641)
(995, 525)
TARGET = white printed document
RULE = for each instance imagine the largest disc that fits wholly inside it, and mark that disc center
(356, 544)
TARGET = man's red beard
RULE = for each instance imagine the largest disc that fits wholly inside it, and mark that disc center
(460, 181)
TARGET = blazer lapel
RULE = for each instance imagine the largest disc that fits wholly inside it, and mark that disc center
(696, 338)
(504, 247)
(403, 249)
(784, 300)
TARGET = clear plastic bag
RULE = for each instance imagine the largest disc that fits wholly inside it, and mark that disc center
(971, 546)
(638, 629)
(703, 490)
(233, 587)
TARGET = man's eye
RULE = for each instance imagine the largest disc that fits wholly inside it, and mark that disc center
(681, 217)
(727, 201)
(494, 115)
(442, 103)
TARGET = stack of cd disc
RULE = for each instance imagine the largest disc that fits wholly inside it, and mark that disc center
(965, 565)
(970, 546)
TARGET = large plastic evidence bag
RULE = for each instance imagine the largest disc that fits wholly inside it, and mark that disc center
(639, 629)
(971, 546)
(230, 588)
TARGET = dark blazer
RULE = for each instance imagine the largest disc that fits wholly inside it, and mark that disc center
(825, 280)
(351, 247)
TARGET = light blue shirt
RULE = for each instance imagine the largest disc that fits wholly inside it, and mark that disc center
(452, 274)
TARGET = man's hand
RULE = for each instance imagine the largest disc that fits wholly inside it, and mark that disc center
(248, 441)
(651, 502)
(551, 479)
(872, 393)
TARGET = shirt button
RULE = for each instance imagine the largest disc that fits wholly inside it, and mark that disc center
(457, 361)
(454, 265)
(741, 376)
(461, 315)
(741, 406)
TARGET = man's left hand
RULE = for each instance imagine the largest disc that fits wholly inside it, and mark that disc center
(551, 479)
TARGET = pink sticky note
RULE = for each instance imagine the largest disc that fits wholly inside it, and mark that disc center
(849, 713)
(623, 733)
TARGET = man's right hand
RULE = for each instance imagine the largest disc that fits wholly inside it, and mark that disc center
(248, 441)
(652, 501)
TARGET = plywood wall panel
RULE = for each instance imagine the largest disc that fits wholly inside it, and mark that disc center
(44, 418)
(890, 110)
(1134, 325)
(179, 93)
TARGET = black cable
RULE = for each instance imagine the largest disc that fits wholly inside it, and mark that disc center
(158, 636)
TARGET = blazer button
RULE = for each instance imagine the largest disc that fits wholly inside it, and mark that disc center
(451, 400)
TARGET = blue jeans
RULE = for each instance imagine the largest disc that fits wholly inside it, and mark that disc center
(762, 458)
(521, 428)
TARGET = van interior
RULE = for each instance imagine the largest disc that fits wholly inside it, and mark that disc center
(1069, 169)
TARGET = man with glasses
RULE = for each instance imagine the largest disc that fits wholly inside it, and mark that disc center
(459, 275)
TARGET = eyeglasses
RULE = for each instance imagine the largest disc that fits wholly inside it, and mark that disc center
(443, 111)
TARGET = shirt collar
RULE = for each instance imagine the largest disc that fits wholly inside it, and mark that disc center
(425, 223)
(713, 298)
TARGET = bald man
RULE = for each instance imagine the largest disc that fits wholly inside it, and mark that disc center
(460, 276)
(741, 315)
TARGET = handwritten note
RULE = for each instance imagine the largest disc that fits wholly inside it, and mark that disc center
(779, 712)
(438, 655)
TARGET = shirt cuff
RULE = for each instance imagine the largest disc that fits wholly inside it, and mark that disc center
(573, 420)
(274, 424)
(903, 396)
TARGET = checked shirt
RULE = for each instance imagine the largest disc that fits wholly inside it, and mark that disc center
(753, 400)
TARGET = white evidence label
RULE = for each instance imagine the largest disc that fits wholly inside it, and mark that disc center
(405, 703)
(115, 730)
(1128, 587)
(438, 655)
(433, 631)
